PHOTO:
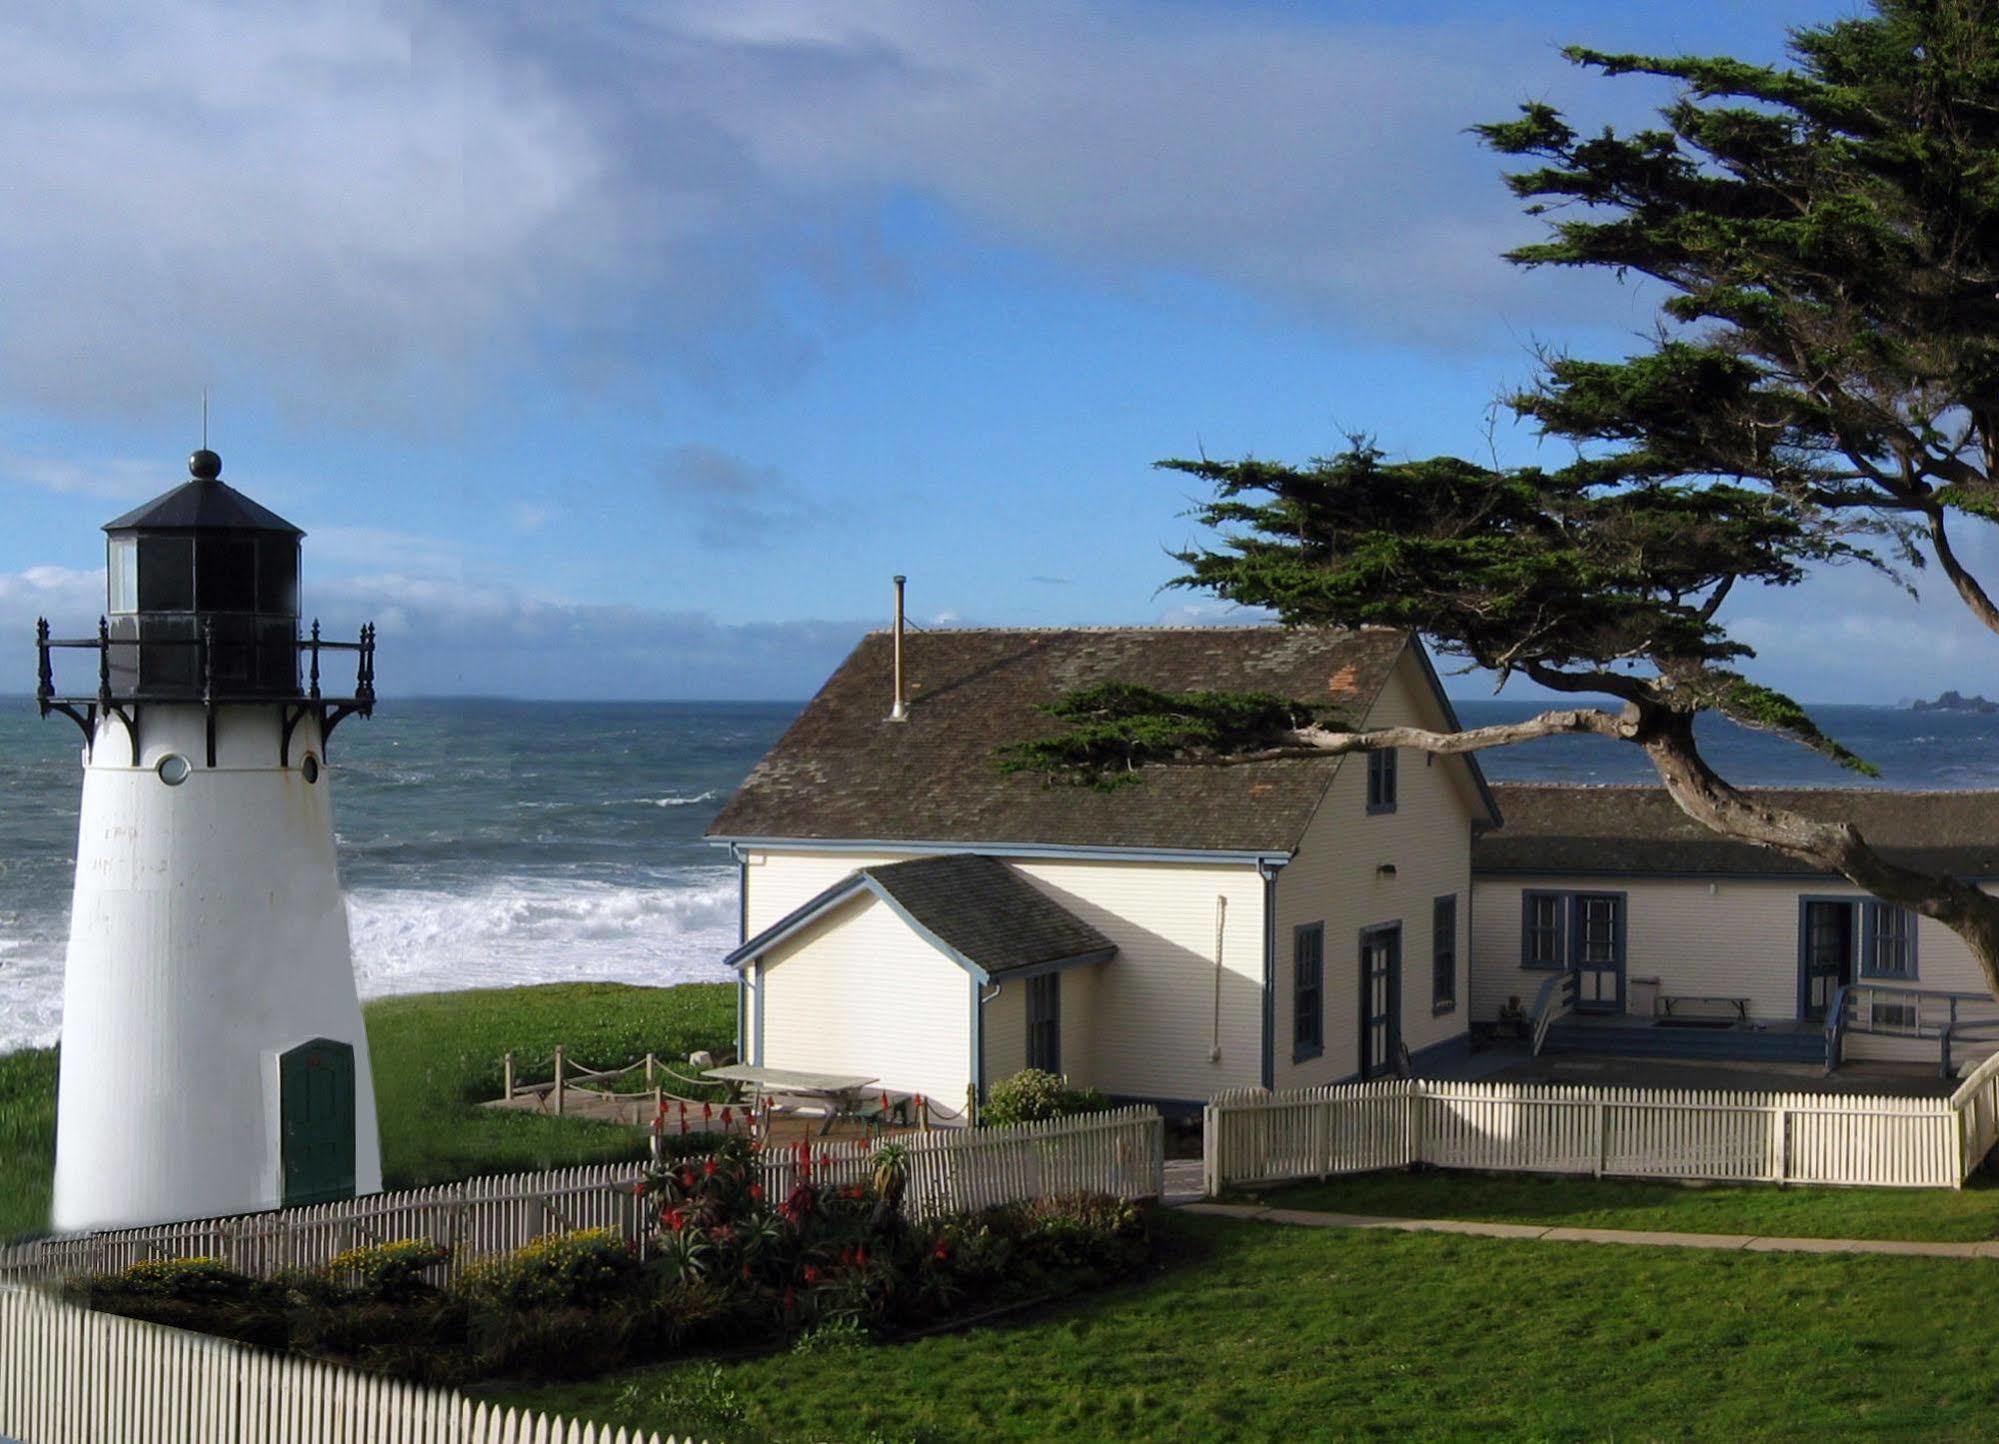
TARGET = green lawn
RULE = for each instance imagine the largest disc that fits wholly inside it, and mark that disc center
(27, 1140)
(436, 1056)
(1256, 1331)
(1966, 1216)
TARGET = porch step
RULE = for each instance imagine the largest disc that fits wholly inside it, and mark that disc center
(1646, 1040)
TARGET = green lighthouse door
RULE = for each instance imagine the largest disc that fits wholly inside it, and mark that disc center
(316, 1104)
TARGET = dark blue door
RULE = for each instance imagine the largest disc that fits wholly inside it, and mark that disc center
(1596, 952)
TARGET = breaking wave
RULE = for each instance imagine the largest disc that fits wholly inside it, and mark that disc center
(538, 930)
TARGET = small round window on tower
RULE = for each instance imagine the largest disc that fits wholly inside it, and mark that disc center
(173, 769)
(310, 767)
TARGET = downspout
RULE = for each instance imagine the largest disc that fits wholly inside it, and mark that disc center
(742, 936)
(1221, 929)
(979, 1001)
(1268, 870)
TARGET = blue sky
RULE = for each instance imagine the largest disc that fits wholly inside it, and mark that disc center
(628, 350)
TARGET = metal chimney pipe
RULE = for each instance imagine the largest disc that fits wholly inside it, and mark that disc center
(900, 712)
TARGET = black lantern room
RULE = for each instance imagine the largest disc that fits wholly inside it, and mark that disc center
(203, 606)
(205, 582)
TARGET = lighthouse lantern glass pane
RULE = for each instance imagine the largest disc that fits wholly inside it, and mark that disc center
(166, 574)
(277, 575)
(123, 570)
(226, 574)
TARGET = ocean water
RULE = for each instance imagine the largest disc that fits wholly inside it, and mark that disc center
(481, 843)
(486, 843)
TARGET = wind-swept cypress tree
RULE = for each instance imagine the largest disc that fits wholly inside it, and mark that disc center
(1822, 388)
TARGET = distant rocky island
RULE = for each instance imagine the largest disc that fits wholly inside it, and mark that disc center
(1955, 702)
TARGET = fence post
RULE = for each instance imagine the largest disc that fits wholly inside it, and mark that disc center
(558, 1080)
(649, 1070)
(1413, 1100)
(1602, 1136)
(508, 1064)
(1211, 1142)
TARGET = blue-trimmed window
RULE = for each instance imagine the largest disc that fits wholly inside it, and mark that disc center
(1888, 942)
(1444, 954)
(1308, 991)
(1381, 780)
(1544, 920)
(1044, 1023)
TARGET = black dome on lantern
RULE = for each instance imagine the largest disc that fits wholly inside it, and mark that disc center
(203, 504)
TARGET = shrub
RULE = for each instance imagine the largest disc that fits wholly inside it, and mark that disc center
(1092, 1232)
(555, 1271)
(190, 1293)
(1031, 1095)
(190, 1280)
(389, 1271)
(423, 1339)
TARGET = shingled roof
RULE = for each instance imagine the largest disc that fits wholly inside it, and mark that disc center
(1607, 829)
(844, 771)
(977, 909)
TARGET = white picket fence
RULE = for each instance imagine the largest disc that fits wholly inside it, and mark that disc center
(950, 1170)
(1121, 1152)
(1722, 1136)
(71, 1376)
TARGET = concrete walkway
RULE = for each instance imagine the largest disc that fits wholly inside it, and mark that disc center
(1307, 1218)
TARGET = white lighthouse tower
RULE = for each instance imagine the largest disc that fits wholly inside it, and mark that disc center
(213, 1058)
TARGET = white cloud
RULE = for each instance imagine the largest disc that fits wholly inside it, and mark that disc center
(119, 478)
(378, 206)
(57, 592)
(383, 547)
(733, 502)
(1214, 614)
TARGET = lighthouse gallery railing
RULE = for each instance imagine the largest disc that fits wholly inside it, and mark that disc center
(210, 690)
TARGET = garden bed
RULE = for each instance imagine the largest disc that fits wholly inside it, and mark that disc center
(723, 1267)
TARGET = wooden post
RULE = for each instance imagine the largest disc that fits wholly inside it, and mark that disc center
(558, 1080)
(508, 1062)
(649, 1067)
(1602, 1137)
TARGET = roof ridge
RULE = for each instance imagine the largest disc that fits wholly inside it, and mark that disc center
(1827, 789)
(1132, 627)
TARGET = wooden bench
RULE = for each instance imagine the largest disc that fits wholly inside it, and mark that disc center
(1667, 1002)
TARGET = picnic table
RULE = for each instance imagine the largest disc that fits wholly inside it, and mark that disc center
(840, 1094)
(1668, 1002)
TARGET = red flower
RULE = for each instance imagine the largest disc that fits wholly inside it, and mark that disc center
(687, 1178)
(812, 1273)
(756, 1191)
(707, 1168)
(861, 1256)
(790, 1299)
(940, 1253)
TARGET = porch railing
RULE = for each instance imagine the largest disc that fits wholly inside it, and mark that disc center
(1555, 1001)
(1892, 1011)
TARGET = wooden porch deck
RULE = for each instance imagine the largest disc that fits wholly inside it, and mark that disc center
(1513, 1063)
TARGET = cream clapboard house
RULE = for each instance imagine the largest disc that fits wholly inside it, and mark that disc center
(910, 913)
(1675, 932)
